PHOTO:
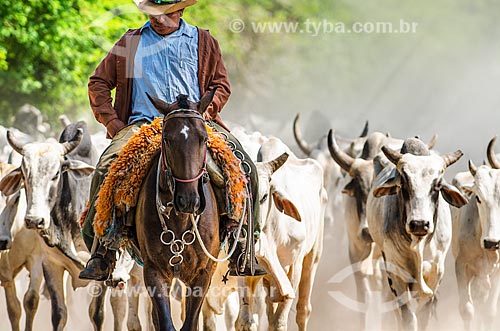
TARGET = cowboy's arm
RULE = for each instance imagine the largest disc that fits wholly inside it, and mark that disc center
(220, 81)
(101, 83)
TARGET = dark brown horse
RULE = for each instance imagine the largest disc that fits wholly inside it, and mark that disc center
(174, 191)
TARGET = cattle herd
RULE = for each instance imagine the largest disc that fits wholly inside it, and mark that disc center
(400, 214)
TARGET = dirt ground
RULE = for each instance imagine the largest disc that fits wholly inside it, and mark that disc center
(328, 313)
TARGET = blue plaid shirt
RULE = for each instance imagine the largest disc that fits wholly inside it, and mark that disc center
(164, 67)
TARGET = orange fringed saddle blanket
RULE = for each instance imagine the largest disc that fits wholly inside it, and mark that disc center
(120, 189)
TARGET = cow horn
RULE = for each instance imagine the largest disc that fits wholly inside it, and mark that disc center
(364, 133)
(432, 143)
(492, 158)
(472, 168)
(344, 160)
(392, 155)
(277, 162)
(303, 145)
(64, 120)
(69, 146)
(450, 158)
(16, 145)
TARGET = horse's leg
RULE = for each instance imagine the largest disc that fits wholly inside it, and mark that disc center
(13, 304)
(32, 296)
(194, 299)
(159, 289)
(118, 300)
(96, 307)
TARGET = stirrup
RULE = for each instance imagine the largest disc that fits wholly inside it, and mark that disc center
(234, 269)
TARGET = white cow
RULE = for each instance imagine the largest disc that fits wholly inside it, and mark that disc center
(20, 248)
(410, 221)
(293, 202)
(476, 245)
(55, 176)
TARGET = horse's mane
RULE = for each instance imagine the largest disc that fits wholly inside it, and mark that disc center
(183, 101)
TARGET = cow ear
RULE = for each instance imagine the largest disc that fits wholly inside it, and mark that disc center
(389, 187)
(349, 189)
(12, 182)
(452, 195)
(78, 167)
(285, 206)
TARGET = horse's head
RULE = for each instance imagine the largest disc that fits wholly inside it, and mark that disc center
(184, 149)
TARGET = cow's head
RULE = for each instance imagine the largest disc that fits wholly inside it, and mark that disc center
(270, 194)
(361, 172)
(486, 192)
(418, 182)
(41, 174)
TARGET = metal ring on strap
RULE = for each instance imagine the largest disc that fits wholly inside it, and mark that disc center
(177, 247)
(190, 232)
(180, 257)
(163, 241)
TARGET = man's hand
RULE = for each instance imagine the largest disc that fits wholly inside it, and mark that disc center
(207, 116)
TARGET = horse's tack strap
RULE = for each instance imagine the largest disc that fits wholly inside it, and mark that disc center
(183, 113)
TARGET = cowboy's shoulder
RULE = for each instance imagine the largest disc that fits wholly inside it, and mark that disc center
(127, 35)
(205, 36)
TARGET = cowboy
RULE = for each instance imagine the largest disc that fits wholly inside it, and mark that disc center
(165, 57)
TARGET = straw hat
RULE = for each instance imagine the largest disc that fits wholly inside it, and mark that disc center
(158, 7)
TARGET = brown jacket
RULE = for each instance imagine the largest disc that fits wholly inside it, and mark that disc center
(116, 71)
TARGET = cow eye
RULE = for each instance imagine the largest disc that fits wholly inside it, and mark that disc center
(477, 199)
(264, 198)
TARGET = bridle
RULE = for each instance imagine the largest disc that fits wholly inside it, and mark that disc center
(183, 113)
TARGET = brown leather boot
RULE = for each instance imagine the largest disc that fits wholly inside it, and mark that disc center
(101, 263)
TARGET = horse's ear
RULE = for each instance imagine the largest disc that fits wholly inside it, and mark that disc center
(160, 105)
(206, 100)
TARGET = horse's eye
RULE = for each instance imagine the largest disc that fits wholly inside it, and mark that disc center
(264, 198)
(477, 199)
